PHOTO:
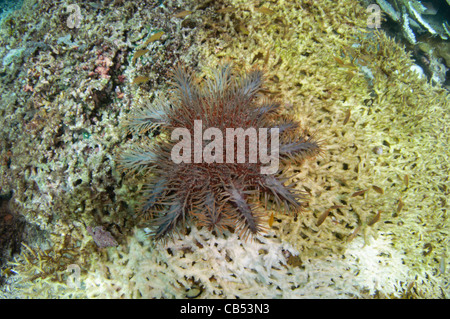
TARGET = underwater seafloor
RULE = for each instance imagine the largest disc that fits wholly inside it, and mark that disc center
(375, 224)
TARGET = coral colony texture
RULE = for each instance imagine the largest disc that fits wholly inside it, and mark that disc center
(90, 97)
(416, 17)
(219, 187)
(424, 25)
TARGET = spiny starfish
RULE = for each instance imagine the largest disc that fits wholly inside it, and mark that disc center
(228, 192)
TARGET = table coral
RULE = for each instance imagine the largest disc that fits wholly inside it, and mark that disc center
(353, 85)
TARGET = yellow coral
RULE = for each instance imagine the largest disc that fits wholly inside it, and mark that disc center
(391, 108)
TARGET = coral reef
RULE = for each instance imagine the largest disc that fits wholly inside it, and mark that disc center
(11, 230)
(418, 17)
(7, 7)
(424, 26)
(364, 96)
(375, 225)
(62, 98)
(266, 268)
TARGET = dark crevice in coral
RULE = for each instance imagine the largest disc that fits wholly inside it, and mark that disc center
(14, 230)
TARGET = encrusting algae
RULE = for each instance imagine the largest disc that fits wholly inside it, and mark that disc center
(352, 85)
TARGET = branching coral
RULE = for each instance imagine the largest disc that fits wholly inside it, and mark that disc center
(418, 15)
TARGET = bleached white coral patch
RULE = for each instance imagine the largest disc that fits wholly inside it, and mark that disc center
(230, 268)
(417, 69)
(380, 266)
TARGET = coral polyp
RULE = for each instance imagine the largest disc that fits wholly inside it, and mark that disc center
(217, 179)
